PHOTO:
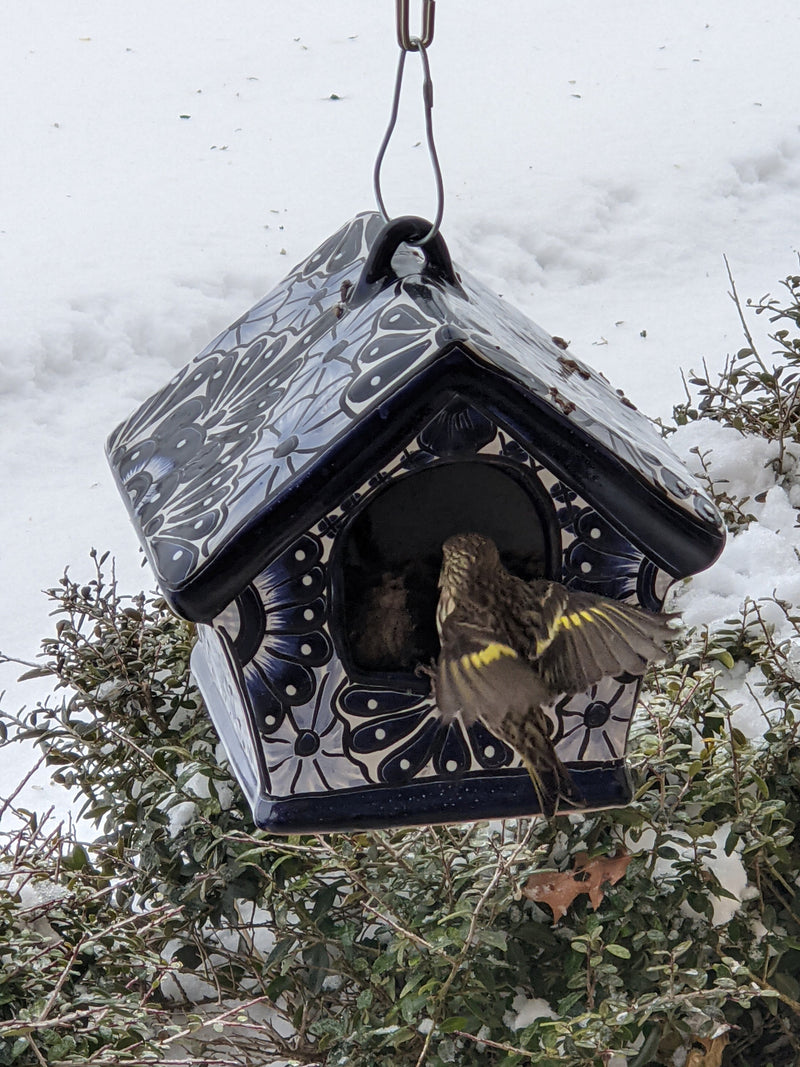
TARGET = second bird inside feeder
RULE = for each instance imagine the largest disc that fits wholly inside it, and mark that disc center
(392, 556)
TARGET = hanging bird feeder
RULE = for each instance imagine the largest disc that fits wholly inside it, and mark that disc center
(293, 487)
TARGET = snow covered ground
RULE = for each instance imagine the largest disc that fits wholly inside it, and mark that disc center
(165, 164)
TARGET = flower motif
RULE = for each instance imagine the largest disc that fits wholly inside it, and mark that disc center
(307, 750)
(567, 505)
(247, 414)
(399, 736)
(595, 729)
(512, 450)
(600, 559)
(287, 615)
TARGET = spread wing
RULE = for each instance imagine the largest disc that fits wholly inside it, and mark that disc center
(594, 638)
(480, 676)
(483, 678)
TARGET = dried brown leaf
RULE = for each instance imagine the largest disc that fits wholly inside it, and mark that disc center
(558, 889)
(711, 1053)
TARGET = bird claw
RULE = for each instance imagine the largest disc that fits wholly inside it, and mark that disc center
(423, 669)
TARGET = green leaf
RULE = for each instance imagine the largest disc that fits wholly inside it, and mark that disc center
(77, 860)
(787, 984)
(384, 962)
(20, 1045)
(323, 901)
(455, 1022)
(280, 951)
(724, 657)
(645, 1056)
(395, 1035)
(35, 672)
(317, 960)
(619, 950)
(493, 938)
(731, 841)
(761, 784)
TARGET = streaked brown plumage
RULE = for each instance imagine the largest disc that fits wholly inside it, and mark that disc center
(510, 646)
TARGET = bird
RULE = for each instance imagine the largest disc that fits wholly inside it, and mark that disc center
(509, 646)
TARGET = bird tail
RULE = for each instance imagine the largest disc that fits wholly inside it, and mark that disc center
(529, 735)
(553, 784)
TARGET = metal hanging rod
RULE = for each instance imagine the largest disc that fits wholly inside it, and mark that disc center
(413, 44)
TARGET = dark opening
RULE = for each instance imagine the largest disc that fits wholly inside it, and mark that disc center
(386, 569)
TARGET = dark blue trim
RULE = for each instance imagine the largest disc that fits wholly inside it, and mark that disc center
(499, 795)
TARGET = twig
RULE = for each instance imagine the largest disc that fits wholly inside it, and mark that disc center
(35, 1050)
(499, 1045)
(394, 853)
(782, 997)
(404, 932)
(10, 800)
(65, 973)
(5, 658)
(501, 870)
(393, 923)
(745, 328)
(146, 756)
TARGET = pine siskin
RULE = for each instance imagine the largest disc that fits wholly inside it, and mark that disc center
(509, 646)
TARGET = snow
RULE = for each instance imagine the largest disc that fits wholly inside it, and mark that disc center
(526, 1010)
(32, 897)
(729, 870)
(744, 689)
(758, 565)
(760, 562)
(166, 164)
(180, 816)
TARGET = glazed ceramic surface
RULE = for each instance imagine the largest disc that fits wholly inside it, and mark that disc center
(292, 487)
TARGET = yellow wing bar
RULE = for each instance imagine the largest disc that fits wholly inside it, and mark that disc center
(593, 615)
(486, 656)
(577, 618)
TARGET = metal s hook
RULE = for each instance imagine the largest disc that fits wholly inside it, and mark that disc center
(404, 37)
(415, 44)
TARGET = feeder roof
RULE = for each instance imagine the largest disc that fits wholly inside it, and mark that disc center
(219, 468)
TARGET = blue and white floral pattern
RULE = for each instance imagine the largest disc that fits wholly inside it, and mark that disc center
(593, 727)
(265, 402)
(307, 752)
(321, 732)
(227, 474)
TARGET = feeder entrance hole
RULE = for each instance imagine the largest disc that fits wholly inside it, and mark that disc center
(385, 578)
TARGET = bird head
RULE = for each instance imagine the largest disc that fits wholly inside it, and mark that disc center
(464, 555)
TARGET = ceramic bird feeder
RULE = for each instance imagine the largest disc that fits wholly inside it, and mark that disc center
(292, 488)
